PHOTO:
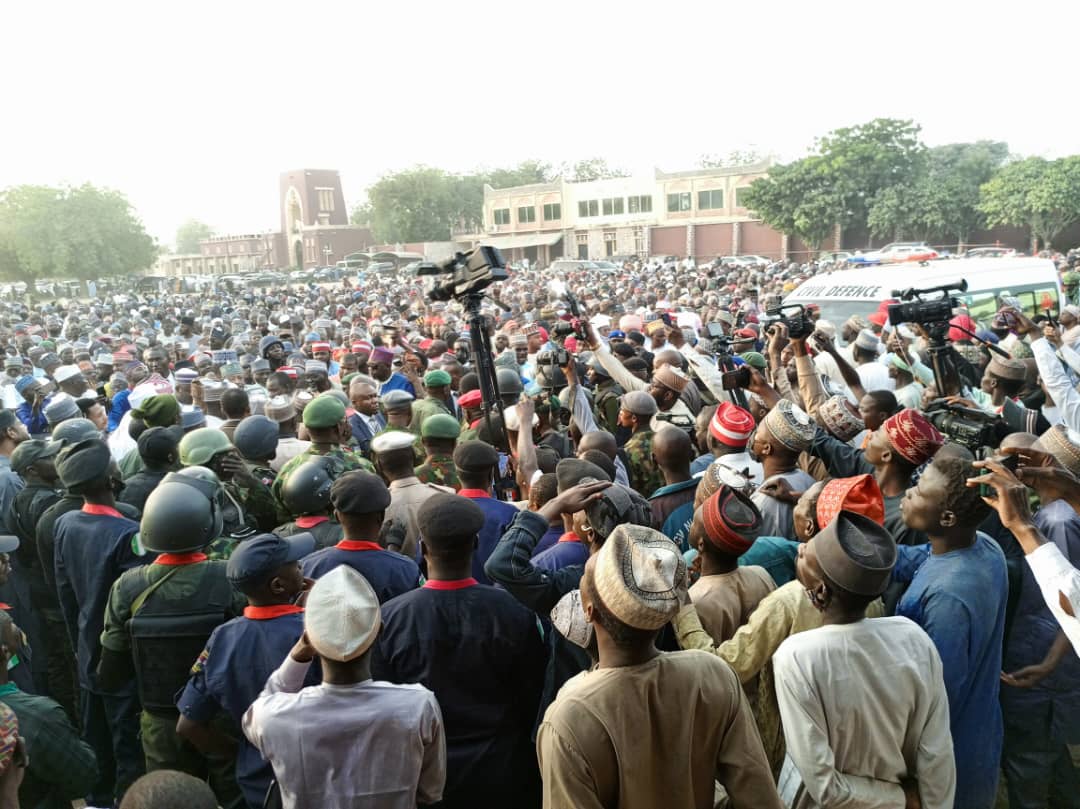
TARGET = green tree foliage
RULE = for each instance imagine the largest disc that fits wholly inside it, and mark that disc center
(361, 214)
(733, 159)
(1043, 195)
(83, 232)
(798, 199)
(190, 233)
(594, 168)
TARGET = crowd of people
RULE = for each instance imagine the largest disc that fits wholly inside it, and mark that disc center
(272, 547)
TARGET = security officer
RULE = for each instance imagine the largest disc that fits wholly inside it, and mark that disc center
(637, 408)
(256, 439)
(437, 388)
(397, 405)
(159, 450)
(161, 614)
(510, 387)
(606, 393)
(360, 501)
(439, 435)
(254, 504)
(325, 421)
(242, 654)
(307, 498)
(93, 547)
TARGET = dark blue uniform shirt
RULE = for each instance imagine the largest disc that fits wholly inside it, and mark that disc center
(389, 574)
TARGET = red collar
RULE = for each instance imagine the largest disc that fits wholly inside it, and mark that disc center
(475, 493)
(275, 611)
(101, 511)
(455, 584)
(180, 558)
(569, 536)
(311, 521)
(358, 545)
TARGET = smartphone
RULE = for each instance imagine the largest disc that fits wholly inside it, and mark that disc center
(739, 378)
(1010, 462)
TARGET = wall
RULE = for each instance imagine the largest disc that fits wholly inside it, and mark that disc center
(668, 241)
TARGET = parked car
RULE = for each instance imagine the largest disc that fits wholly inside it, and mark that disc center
(896, 253)
(991, 252)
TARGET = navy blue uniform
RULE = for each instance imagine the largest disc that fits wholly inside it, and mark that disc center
(497, 518)
(481, 652)
(389, 574)
(92, 548)
(230, 674)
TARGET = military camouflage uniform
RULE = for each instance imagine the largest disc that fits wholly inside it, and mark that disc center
(645, 476)
(263, 474)
(440, 470)
(342, 461)
(327, 533)
(418, 446)
(606, 405)
(423, 408)
(257, 501)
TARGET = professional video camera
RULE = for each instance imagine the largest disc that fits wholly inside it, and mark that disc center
(472, 272)
(733, 378)
(799, 325)
(973, 429)
(926, 313)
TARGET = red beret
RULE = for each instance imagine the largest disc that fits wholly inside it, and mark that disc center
(471, 399)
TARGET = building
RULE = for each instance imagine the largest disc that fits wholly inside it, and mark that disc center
(688, 213)
(315, 232)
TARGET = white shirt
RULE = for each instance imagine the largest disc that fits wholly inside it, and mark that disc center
(370, 744)
(875, 376)
(863, 705)
(1057, 577)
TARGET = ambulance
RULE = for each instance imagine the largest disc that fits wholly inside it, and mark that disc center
(860, 291)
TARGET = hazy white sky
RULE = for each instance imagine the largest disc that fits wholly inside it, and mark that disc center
(193, 109)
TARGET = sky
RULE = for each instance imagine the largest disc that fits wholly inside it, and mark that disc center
(194, 109)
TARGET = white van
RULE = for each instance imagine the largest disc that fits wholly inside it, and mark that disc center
(843, 293)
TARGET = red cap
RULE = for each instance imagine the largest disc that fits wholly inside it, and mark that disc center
(731, 425)
(471, 399)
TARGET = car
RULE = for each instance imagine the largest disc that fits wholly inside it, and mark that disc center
(896, 253)
(756, 260)
(741, 261)
(991, 252)
(835, 256)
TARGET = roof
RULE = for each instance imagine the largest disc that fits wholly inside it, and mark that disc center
(525, 240)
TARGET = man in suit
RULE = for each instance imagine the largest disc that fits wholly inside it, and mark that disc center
(367, 421)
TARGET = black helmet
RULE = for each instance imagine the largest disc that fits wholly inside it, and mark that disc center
(183, 513)
(73, 431)
(509, 382)
(550, 377)
(306, 490)
(256, 438)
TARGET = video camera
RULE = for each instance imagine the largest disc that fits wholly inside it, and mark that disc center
(799, 325)
(925, 313)
(972, 429)
(472, 272)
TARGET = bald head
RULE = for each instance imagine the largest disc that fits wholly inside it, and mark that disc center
(1018, 441)
(598, 439)
(672, 448)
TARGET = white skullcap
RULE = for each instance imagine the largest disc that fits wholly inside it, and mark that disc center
(341, 616)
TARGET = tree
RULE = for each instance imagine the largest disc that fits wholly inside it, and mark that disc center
(83, 232)
(798, 199)
(361, 214)
(527, 172)
(594, 168)
(1043, 195)
(736, 157)
(190, 233)
(418, 205)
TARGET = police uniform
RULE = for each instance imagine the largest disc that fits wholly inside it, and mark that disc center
(165, 635)
(239, 658)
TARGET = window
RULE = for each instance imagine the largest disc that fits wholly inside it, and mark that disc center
(639, 238)
(739, 197)
(502, 216)
(613, 206)
(589, 207)
(582, 246)
(527, 214)
(678, 202)
(609, 242)
(709, 200)
(642, 204)
(326, 199)
(552, 211)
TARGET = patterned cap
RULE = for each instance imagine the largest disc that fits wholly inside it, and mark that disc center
(859, 494)
(731, 425)
(1063, 444)
(671, 377)
(9, 737)
(912, 436)
(790, 426)
(638, 574)
(732, 521)
(841, 418)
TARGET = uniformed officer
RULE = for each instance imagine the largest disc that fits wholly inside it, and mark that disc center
(437, 388)
(242, 654)
(256, 439)
(93, 547)
(635, 412)
(397, 407)
(360, 500)
(606, 393)
(159, 450)
(307, 498)
(325, 421)
(254, 504)
(439, 435)
(159, 617)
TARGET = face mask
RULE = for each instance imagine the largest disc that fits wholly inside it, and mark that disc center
(568, 617)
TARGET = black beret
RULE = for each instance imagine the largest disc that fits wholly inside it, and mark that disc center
(475, 456)
(83, 463)
(449, 516)
(359, 493)
(570, 471)
(158, 443)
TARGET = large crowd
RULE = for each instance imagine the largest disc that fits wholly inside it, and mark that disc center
(270, 547)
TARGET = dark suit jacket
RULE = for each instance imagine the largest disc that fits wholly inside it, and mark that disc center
(361, 432)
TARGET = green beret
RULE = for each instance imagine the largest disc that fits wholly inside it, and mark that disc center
(754, 359)
(323, 412)
(436, 379)
(440, 425)
(158, 411)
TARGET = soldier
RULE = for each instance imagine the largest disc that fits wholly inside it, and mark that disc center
(635, 412)
(256, 439)
(254, 506)
(324, 419)
(307, 499)
(472, 413)
(437, 387)
(440, 435)
(606, 395)
(397, 405)
(159, 450)
(160, 615)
